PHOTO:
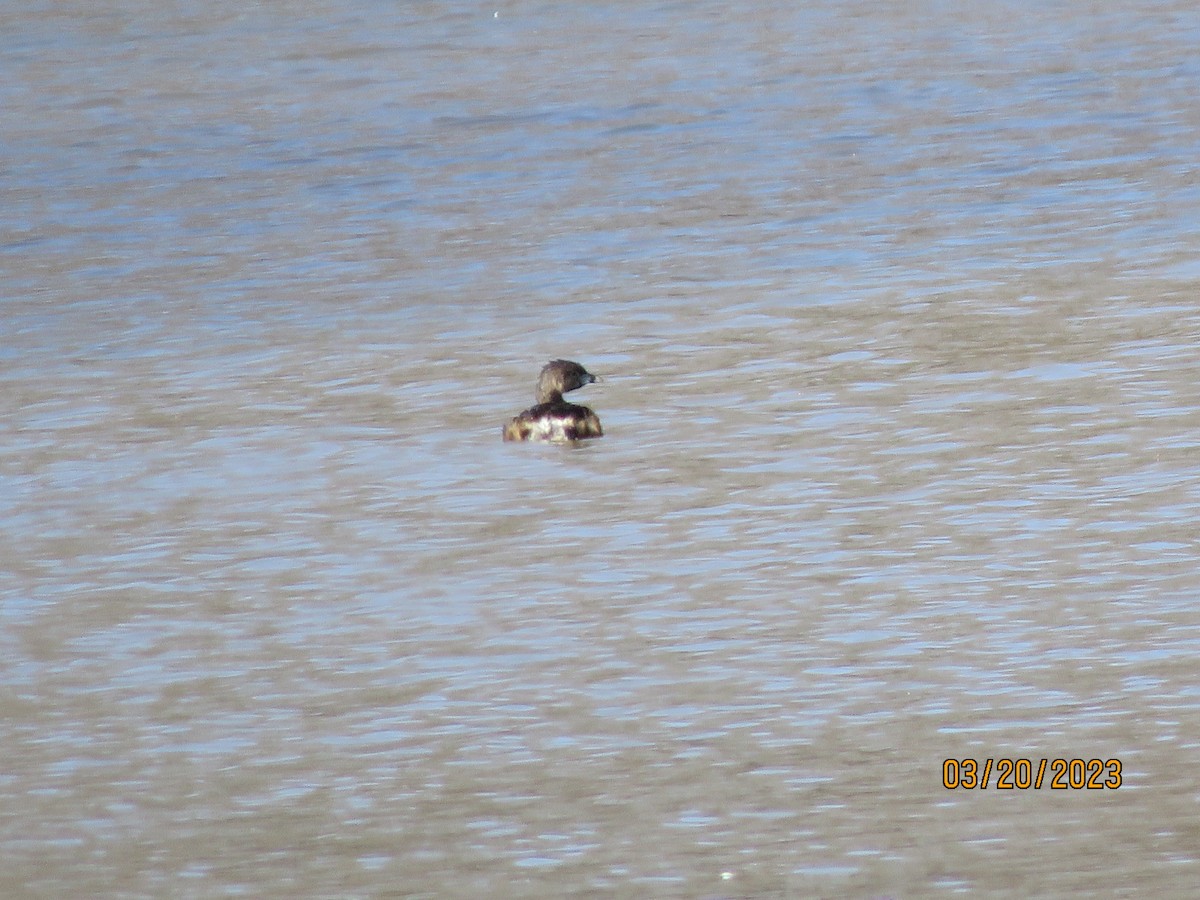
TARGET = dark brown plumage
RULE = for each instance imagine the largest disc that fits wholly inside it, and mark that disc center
(553, 419)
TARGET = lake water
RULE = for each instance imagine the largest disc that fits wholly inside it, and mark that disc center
(895, 307)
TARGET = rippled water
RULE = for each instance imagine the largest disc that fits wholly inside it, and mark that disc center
(895, 309)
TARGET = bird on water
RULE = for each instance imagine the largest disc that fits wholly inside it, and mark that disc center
(553, 419)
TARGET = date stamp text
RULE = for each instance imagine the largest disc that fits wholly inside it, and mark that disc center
(1022, 774)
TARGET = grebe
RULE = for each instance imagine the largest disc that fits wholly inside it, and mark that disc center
(554, 419)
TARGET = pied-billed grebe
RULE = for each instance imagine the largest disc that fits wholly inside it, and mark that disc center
(553, 418)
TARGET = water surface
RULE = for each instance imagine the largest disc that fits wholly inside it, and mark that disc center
(895, 312)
